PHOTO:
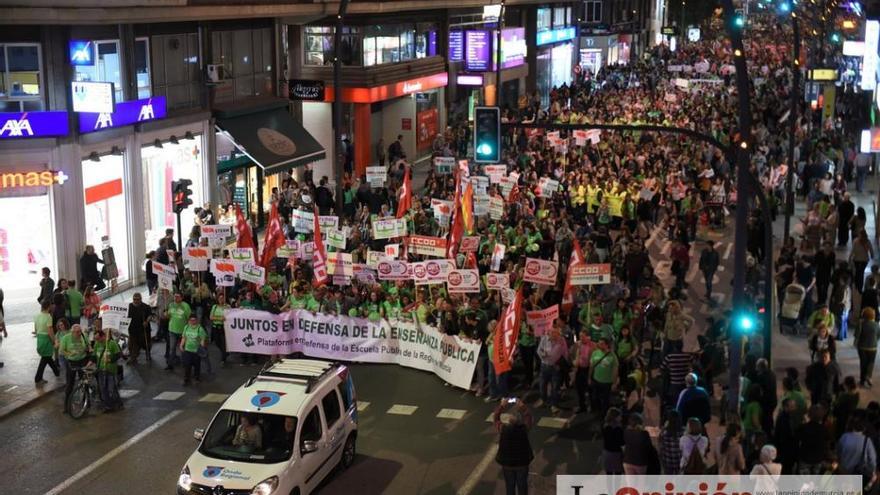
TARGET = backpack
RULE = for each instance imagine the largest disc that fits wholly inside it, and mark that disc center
(695, 463)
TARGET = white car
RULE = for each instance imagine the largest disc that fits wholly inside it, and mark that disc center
(282, 432)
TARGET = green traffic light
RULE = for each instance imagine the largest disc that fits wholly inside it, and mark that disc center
(745, 323)
(484, 149)
(835, 38)
(738, 21)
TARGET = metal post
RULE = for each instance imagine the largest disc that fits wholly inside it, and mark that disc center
(743, 194)
(792, 126)
(337, 105)
(498, 39)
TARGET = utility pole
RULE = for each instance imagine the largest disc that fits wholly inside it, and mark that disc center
(742, 145)
(498, 55)
(337, 104)
(792, 125)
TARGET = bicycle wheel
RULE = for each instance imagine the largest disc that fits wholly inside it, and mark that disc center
(79, 401)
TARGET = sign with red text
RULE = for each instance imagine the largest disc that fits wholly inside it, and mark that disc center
(595, 274)
(463, 281)
(216, 231)
(394, 270)
(498, 281)
(426, 246)
(540, 272)
(542, 320)
(469, 244)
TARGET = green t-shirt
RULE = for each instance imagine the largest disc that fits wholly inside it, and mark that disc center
(603, 368)
(625, 348)
(108, 362)
(75, 303)
(301, 302)
(179, 314)
(217, 314)
(73, 348)
(193, 337)
(752, 416)
(42, 323)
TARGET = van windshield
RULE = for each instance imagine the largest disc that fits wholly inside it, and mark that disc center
(250, 437)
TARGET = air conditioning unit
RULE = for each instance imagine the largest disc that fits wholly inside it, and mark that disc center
(216, 73)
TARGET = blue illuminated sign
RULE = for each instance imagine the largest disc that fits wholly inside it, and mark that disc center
(81, 52)
(33, 125)
(556, 35)
(127, 113)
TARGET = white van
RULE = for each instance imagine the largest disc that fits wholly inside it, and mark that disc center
(282, 432)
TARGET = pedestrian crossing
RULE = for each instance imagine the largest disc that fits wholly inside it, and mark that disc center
(402, 410)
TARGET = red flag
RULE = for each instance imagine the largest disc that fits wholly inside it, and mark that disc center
(273, 238)
(245, 236)
(471, 261)
(507, 335)
(404, 195)
(455, 233)
(319, 256)
(577, 259)
(467, 208)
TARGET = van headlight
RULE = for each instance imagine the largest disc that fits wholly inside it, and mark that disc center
(266, 487)
(184, 481)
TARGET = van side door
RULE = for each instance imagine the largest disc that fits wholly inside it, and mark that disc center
(312, 448)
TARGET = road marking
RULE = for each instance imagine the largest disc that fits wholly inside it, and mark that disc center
(727, 251)
(402, 410)
(113, 453)
(214, 397)
(550, 422)
(10, 389)
(128, 393)
(471, 481)
(363, 405)
(169, 396)
(451, 413)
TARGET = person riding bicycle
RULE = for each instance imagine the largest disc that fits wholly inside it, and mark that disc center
(106, 355)
(74, 346)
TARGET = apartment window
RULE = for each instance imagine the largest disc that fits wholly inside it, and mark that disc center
(20, 77)
(559, 19)
(545, 20)
(593, 11)
(106, 67)
(246, 57)
(175, 69)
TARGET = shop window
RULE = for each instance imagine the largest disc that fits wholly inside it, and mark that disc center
(246, 57)
(559, 17)
(544, 19)
(318, 45)
(106, 208)
(142, 67)
(175, 70)
(161, 166)
(593, 11)
(20, 77)
(426, 40)
(26, 240)
(105, 69)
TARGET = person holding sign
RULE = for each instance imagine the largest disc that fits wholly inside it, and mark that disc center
(107, 354)
(193, 343)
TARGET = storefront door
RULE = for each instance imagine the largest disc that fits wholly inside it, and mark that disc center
(26, 246)
(106, 210)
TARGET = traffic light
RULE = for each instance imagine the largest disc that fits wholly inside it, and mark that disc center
(784, 7)
(487, 135)
(835, 37)
(745, 322)
(739, 19)
(181, 194)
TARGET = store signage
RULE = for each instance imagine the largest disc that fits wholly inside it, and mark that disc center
(854, 48)
(469, 80)
(389, 91)
(556, 35)
(869, 65)
(513, 48)
(456, 46)
(491, 13)
(823, 75)
(82, 52)
(42, 178)
(478, 50)
(305, 89)
(33, 124)
(127, 113)
(90, 96)
(669, 30)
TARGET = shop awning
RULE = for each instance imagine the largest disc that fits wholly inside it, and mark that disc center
(270, 137)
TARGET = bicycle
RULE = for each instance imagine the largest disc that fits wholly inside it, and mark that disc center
(85, 391)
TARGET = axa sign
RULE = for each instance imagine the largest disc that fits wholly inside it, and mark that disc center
(127, 113)
(23, 125)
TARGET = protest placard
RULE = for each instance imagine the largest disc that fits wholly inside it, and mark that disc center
(426, 246)
(253, 273)
(540, 271)
(376, 176)
(242, 255)
(374, 257)
(443, 164)
(420, 274)
(481, 205)
(327, 222)
(335, 238)
(161, 269)
(392, 250)
(388, 228)
(495, 172)
(196, 258)
(593, 274)
(496, 208)
(497, 255)
(547, 187)
(542, 320)
(394, 270)
(469, 244)
(342, 338)
(442, 211)
(340, 264)
(216, 231)
(497, 281)
(302, 221)
(463, 281)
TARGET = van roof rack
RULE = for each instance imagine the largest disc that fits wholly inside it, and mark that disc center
(297, 370)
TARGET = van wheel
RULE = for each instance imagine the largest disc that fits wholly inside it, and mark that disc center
(348, 452)
(295, 491)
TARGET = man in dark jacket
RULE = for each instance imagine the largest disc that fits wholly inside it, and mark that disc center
(395, 150)
(845, 211)
(709, 261)
(694, 401)
(825, 262)
(514, 449)
(813, 442)
(324, 198)
(784, 438)
(823, 379)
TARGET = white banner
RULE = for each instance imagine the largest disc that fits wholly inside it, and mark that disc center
(758, 483)
(394, 270)
(353, 339)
